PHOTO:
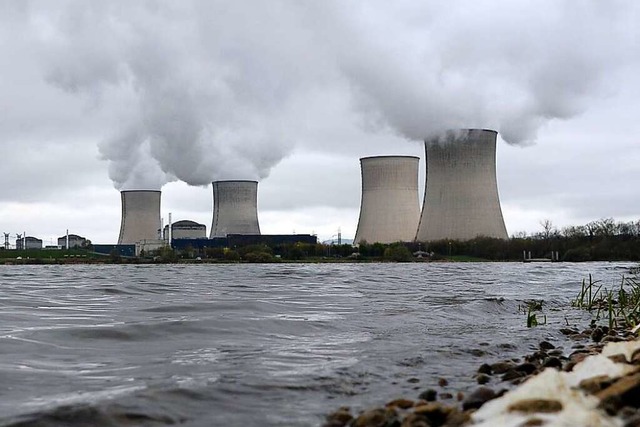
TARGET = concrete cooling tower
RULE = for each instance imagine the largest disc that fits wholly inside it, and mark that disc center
(389, 208)
(235, 208)
(461, 192)
(140, 216)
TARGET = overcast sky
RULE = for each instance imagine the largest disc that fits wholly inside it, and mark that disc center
(96, 97)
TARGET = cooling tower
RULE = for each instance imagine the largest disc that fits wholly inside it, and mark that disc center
(235, 208)
(389, 208)
(461, 192)
(140, 216)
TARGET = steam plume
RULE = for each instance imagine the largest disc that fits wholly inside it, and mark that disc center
(205, 89)
(202, 85)
(510, 66)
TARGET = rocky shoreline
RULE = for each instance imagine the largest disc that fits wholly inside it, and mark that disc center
(596, 383)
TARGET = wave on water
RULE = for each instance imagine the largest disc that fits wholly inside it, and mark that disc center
(273, 344)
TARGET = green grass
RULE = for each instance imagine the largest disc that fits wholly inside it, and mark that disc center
(619, 306)
(46, 254)
(532, 308)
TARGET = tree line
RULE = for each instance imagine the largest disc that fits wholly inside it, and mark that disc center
(601, 240)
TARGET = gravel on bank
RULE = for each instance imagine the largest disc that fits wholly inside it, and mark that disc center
(597, 385)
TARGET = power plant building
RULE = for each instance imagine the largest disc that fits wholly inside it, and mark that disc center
(140, 216)
(389, 207)
(461, 199)
(75, 241)
(185, 230)
(235, 208)
(28, 242)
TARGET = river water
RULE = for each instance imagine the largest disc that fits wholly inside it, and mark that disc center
(268, 345)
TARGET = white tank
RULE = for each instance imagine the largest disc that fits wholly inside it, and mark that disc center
(461, 192)
(235, 208)
(140, 216)
(389, 207)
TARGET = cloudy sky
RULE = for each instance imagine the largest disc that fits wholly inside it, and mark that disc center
(96, 97)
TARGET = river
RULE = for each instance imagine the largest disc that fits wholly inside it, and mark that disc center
(262, 344)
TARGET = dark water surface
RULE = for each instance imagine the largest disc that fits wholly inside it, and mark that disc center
(268, 345)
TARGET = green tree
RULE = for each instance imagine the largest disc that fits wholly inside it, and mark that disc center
(398, 252)
(231, 255)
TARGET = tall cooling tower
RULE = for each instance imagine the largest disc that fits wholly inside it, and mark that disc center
(461, 193)
(140, 216)
(389, 208)
(235, 208)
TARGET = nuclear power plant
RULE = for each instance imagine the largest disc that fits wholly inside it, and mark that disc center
(235, 224)
(140, 216)
(461, 192)
(461, 202)
(235, 208)
(389, 207)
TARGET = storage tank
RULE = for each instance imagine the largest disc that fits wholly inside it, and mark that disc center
(389, 207)
(461, 192)
(235, 208)
(140, 216)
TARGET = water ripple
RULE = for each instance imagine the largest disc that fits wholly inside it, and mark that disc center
(260, 344)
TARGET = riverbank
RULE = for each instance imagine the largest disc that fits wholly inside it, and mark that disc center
(594, 383)
(104, 259)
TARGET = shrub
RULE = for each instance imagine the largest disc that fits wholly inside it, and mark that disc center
(398, 253)
(579, 254)
(258, 257)
(231, 255)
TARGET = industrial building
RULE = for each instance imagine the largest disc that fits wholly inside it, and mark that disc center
(461, 199)
(241, 240)
(140, 216)
(235, 208)
(389, 207)
(75, 241)
(28, 242)
(185, 229)
(117, 250)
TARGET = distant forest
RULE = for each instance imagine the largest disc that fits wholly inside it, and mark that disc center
(601, 240)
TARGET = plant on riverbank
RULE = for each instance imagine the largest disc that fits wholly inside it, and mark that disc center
(532, 308)
(532, 319)
(588, 297)
(620, 307)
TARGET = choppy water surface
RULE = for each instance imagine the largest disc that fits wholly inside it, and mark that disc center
(279, 344)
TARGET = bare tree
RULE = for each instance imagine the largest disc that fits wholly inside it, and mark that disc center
(574, 231)
(607, 227)
(548, 229)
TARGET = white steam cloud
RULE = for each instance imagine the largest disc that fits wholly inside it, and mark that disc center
(202, 85)
(204, 89)
(424, 67)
